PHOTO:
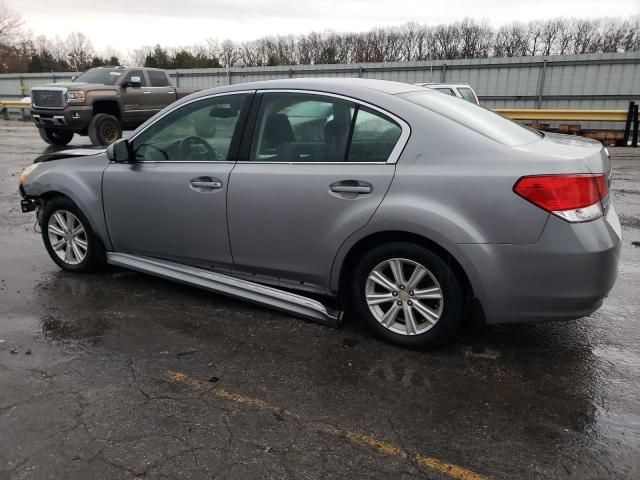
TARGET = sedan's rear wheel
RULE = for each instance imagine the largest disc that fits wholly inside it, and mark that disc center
(407, 295)
(68, 236)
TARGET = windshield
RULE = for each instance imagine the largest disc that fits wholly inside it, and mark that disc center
(102, 76)
(475, 117)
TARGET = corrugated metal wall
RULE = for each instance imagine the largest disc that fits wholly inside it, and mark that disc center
(592, 81)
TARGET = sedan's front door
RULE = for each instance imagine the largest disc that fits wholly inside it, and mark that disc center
(316, 171)
(170, 201)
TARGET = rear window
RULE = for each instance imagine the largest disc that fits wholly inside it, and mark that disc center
(475, 117)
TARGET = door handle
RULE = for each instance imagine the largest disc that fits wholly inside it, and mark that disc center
(351, 186)
(206, 182)
(146, 92)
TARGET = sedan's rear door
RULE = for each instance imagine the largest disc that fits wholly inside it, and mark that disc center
(317, 168)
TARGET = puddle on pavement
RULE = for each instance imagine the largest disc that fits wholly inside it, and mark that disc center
(85, 329)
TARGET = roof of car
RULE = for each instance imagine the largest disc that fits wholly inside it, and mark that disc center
(436, 85)
(335, 84)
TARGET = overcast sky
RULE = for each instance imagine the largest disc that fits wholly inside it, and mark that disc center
(128, 24)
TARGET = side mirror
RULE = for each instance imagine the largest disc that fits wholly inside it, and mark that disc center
(73, 79)
(119, 151)
(135, 82)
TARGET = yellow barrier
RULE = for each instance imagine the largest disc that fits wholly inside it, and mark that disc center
(5, 105)
(571, 115)
(12, 104)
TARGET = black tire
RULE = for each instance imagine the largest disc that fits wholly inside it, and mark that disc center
(94, 249)
(452, 306)
(104, 129)
(58, 138)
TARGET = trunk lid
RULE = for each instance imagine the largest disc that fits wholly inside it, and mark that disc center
(590, 152)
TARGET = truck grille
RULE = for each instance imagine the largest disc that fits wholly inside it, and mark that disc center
(48, 98)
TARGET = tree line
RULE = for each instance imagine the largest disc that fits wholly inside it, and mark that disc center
(19, 53)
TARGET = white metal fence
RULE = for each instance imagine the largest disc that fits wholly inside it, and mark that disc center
(591, 81)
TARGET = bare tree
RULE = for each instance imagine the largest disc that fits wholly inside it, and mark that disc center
(586, 36)
(564, 38)
(79, 51)
(511, 41)
(551, 34)
(445, 42)
(475, 39)
(534, 36)
(614, 35)
(631, 39)
(229, 54)
(10, 24)
(412, 41)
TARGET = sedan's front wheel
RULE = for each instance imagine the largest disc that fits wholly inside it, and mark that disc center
(68, 237)
(407, 295)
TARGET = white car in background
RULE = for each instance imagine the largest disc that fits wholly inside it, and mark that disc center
(460, 90)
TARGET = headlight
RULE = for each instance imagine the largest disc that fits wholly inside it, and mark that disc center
(26, 172)
(75, 96)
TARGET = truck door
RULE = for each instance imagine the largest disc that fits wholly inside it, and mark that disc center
(162, 93)
(134, 101)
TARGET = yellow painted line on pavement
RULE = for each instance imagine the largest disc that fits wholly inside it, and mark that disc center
(386, 448)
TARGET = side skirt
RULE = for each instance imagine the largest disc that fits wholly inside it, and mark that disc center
(234, 287)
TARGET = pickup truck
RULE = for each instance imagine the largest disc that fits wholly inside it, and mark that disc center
(101, 102)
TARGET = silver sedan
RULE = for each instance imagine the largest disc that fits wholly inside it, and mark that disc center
(398, 204)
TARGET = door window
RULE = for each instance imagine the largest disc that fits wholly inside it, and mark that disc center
(298, 127)
(446, 90)
(158, 78)
(199, 131)
(294, 127)
(135, 73)
(467, 94)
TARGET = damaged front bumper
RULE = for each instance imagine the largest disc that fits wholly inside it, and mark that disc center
(28, 204)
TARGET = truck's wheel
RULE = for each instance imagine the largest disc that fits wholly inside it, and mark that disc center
(104, 129)
(55, 137)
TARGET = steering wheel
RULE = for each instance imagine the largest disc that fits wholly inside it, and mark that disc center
(187, 144)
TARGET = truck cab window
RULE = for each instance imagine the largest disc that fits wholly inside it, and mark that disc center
(135, 73)
(158, 78)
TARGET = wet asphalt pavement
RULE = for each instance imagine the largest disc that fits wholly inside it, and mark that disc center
(121, 375)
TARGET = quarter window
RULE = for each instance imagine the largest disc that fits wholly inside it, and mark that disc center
(198, 131)
(158, 78)
(298, 127)
(374, 137)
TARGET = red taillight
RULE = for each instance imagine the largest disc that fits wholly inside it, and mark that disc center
(561, 193)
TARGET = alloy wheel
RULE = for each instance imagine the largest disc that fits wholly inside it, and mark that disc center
(109, 132)
(404, 296)
(67, 237)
